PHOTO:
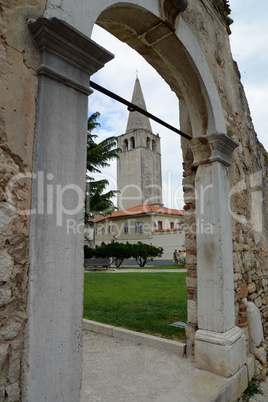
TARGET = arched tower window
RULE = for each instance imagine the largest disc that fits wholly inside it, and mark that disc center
(132, 143)
(153, 145)
(125, 145)
(148, 143)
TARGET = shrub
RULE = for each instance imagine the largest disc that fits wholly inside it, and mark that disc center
(182, 259)
(118, 252)
(144, 253)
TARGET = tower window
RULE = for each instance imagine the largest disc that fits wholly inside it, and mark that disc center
(154, 145)
(148, 143)
(132, 142)
(125, 145)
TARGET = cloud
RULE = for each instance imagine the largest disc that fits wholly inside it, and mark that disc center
(249, 40)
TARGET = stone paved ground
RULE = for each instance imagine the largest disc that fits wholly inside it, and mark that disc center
(259, 397)
(263, 386)
(115, 370)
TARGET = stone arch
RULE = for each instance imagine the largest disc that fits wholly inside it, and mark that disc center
(173, 51)
(177, 56)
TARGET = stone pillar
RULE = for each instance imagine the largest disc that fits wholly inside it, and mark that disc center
(53, 347)
(219, 345)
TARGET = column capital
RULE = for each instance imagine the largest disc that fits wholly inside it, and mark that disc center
(67, 55)
(211, 148)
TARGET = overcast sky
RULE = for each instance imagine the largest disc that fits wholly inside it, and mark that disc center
(249, 42)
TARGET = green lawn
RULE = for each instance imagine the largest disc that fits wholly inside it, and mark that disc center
(145, 302)
(152, 267)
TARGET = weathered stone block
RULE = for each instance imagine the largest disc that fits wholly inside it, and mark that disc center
(251, 287)
(191, 282)
(260, 354)
(253, 296)
(254, 326)
(258, 301)
(3, 353)
(250, 368)
(9, 331)
(18, 248)
(237, 277)
(192, 311)
(5, 296)
(191, 259)
(221, 353)
(260, 370)
(6, 266)
(7, 214)
(13, 392)
(243, 290)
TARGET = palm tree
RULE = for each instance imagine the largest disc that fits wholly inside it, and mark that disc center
(98, 156)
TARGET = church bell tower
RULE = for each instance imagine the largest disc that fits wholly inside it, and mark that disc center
(139, 164)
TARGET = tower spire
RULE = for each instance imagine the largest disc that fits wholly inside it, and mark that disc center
(135, 119)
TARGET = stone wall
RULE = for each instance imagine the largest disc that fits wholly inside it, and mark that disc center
(17, 121)
(248, 175)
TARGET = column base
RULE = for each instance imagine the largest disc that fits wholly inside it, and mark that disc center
(220, 353)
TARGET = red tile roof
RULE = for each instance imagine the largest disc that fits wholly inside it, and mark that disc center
(142, 209)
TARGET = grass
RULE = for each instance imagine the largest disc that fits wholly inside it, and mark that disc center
(153, 267)
(146, 302)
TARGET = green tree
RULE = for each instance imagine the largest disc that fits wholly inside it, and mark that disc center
(119, 252)
(144, 253)
(98, 156)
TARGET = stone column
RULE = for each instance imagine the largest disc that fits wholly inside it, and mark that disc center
(220, 346)
(53, 347)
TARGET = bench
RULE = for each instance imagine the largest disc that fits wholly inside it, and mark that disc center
(96, 262)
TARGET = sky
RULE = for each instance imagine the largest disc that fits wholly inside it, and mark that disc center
(249, 45)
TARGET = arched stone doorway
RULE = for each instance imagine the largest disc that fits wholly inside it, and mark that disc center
(155, 29)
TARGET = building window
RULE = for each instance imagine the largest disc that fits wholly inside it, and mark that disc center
(103, 231)
(139, 227)
(171, 225)
(126, 227)
(110, 228)
(160, 225)
(153, 145)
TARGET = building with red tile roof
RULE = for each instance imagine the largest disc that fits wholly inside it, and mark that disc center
(151, 223)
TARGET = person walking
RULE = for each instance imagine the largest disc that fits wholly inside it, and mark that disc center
(175, 257)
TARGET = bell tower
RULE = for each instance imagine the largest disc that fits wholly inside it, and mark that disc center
(139, 164)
